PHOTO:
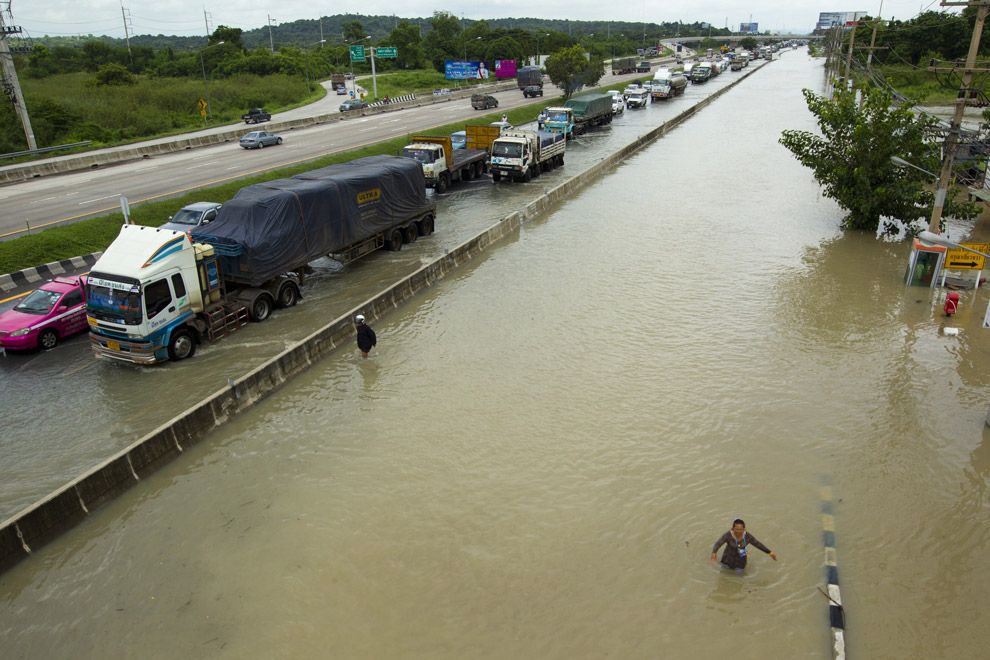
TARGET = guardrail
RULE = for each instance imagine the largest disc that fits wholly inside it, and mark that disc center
(44, 150)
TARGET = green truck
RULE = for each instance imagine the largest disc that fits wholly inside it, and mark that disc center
(590, 110)
(622, 65)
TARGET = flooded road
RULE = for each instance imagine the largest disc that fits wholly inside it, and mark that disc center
(65, 412)
(541, 451)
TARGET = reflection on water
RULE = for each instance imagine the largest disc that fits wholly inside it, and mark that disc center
(540, 453)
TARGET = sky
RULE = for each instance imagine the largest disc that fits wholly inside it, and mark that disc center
(185, 17)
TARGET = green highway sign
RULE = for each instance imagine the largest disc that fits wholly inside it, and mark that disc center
(357, 53)
(387, 51)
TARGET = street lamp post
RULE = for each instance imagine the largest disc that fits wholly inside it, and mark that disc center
(209, 108)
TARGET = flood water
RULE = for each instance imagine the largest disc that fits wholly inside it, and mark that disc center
(539, 454)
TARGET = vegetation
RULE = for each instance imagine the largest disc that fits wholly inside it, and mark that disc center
(570, 70)
(852, 160)
(95, 234)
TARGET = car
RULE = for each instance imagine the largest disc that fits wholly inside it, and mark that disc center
(532, 90)
(53, 311)
(341, 91)
(503, 125)
(630, 88)
(353, 104)
(618, 106)
(483, 101)
(458, 140)
(259, 139)
(189, 217)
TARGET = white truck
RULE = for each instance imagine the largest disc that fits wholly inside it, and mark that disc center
(638, 98)
(443, 165)
(522, 155)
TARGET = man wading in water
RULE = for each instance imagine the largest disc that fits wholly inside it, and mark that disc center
(366, 339)
(737, 542)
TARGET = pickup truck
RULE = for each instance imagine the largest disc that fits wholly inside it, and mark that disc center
(256, 116)
(532, 90)
(443, 165)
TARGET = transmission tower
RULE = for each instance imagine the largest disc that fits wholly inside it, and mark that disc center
(11, 86)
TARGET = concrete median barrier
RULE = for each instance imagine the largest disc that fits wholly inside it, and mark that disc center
(34, 526)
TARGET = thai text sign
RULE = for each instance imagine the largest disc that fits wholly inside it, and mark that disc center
(458, 70)
(505, 68)
(957, 259)
(357, 53)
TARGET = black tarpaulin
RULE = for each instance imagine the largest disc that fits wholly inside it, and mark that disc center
(279, 226)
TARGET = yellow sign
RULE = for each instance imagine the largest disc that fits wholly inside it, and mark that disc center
(202, 104)
(202, 113)
(369, 196)
(957, 259)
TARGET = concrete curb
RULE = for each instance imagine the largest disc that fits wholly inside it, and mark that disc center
(96, 159)
(58, 512)
(29, 276)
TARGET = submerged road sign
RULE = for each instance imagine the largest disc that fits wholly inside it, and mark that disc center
(959, 259)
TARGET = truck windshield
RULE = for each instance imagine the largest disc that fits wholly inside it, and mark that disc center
(422, 155)
(507, 149)
(557, 116)
(114, 301)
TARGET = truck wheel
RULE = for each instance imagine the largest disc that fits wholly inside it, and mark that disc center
(467, 173)
(496, 177)
(182, 345)
(560, 160)
(410, 234)
(262, 308)
(442, 182)
(288, 295)
(426, 226)
(528, 176)
(394, 243)
(47, 339)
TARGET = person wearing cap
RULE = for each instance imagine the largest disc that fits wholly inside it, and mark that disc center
(366, 339)
(737, 541)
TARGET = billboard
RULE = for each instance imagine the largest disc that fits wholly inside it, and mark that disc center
(505, 68)
(749, 28)
(460, 70)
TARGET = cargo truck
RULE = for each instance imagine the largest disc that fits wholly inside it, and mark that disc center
(621, 65)
(701, 72)
(523, 155)
(529, 75)
(338, 81)
(667, 86)
(154, 294)
(590, 110)
(443, 165)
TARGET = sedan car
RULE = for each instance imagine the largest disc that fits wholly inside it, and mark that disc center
(189, 217)
(352, 104)
(259, 139)
(54, 310)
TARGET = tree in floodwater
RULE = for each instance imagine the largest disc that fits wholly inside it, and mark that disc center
(570, 70)
(852, 160)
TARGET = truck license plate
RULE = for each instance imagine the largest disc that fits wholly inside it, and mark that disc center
(113, 346)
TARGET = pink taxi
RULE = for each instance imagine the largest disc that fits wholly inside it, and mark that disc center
(54, 310)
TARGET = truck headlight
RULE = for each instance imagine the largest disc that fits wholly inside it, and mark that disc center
(20, 333)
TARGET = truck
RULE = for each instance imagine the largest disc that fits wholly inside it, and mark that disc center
(523, 155)
(590, 110)
(529, 75)
(443, 165)
(668, 85)
(737, 64)
(622, 65)
(256, 116)
(638, 98)
(155, 295)
(701, 72)
(644, 67)
(338, 81)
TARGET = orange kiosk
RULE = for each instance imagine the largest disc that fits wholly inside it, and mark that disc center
(925, 264)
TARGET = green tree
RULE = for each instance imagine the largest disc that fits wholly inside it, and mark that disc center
(228, 35)
(354, 32)
(852, 160)
(114, 75)
(748, 43)
(407, 39)
(441, 42)
(570, 70)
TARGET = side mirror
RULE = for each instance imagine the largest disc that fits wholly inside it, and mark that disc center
(62, 308)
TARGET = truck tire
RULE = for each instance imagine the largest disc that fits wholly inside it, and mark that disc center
(261, 308)
(496, 176)
(288, 295)
(560, 160)
(442, 183)
(181, 345)
(410, 234)
(426, 226)
(467, 173)
(394, 242)
(528, 175)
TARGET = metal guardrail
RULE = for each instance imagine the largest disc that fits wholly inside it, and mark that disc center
(45, 150)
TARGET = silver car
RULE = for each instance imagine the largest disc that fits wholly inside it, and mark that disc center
(192, 216)
(259, 139)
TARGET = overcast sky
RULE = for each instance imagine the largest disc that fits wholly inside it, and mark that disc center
(185, 17)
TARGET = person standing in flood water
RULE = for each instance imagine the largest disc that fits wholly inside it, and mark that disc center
(366, 339)
(737, 542)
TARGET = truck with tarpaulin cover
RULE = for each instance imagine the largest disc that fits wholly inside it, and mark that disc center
(443, 165)
(590, 110)
(529, 75)
(523, 155)
(622, 65)
(155, 294)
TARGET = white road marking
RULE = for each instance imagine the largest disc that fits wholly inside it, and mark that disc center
(88, 201)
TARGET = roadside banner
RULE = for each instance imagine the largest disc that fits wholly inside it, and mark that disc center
(462, 70)
(505, 68)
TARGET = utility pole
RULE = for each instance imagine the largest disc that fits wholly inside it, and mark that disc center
(11, 86)
(206, 20)
(949, 150)
(127, 37)
(849, 57)
(271, 40)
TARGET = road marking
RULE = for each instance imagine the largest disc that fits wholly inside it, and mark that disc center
(89, 201)
(192, 167)
(232, 168)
